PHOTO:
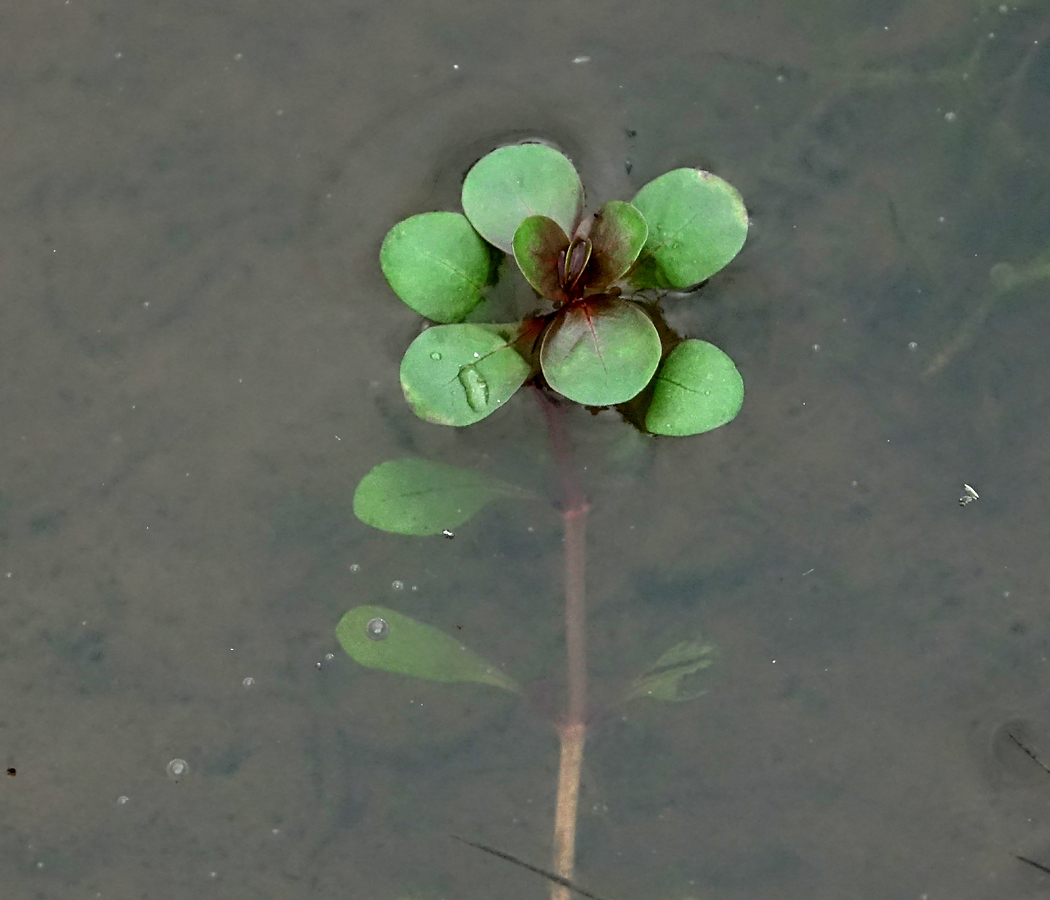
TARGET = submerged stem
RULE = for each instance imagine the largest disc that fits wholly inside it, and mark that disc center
(572, 730)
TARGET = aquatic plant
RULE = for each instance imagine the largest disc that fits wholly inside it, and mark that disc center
(589, 340)
(596, 338)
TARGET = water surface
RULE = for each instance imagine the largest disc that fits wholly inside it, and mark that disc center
(200, 361)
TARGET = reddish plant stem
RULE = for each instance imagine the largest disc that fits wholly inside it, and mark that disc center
(572, 729)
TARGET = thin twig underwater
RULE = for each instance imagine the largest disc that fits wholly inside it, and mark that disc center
(557, 879)
(1035, 758)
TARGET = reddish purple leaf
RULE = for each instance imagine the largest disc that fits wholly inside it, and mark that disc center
(617, 232)
(539, 248)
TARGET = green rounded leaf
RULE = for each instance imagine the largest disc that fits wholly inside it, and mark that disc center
(539, 244)
(420, 497)
(399, 644)
(459, 374)
(618, 232)
(600, 352)
(697, 224)
(510, 184)
(437, 264)
(697, 388)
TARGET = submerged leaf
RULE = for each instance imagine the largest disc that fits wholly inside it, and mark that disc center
(666, 678)
(698, 388)
(697, 224)
(539, 247)
(421, 497)
(459, 374)
(617, 232)
(382, 638)
(437, 264)
(510, 184)
(600, 351)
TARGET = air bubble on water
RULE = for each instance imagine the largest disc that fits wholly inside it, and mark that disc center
(475, 387)
(435, 356)
(448, 533)
(177, 768)
(398, 585)
(377, 629)
(122, 799)
(949, 116)
(355, 568)
(329, 657)
(912, 345)
(249, 681)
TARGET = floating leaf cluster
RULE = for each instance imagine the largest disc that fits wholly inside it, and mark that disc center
(590, 340)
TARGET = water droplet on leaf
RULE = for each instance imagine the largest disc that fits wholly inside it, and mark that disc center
(377, 629)
(475, 387)
(435, 356)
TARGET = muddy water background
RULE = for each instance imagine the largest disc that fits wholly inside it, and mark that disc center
(199, 361)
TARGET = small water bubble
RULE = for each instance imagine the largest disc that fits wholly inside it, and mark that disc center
(355, 568)
(398, 585)
(249, 681)
(949, 116)
(435, 356)
(177, 768)
(122, 799)
(912, 345)
(377, 629)
(816, 348)
(329, 657)
(449, 534)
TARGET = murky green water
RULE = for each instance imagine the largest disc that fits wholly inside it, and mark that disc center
(200, 360)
